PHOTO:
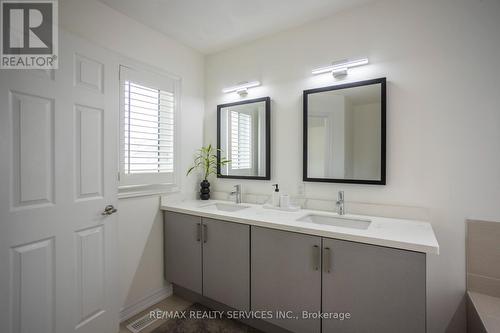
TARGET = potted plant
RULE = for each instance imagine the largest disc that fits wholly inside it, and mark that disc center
(206, 160)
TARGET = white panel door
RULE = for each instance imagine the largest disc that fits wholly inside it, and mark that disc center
(58, 155)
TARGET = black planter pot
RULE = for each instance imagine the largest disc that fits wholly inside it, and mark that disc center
(204, 190)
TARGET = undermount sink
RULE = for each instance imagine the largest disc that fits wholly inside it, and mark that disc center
(344, 222)
(227, 207)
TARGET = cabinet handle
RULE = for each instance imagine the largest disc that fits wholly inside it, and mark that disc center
(327, 260)
(316, 257)
(205, 233)
(198, 232)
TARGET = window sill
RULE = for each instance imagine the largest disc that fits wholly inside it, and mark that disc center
(146, 190)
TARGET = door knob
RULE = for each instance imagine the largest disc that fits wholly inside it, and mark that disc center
(108, 210)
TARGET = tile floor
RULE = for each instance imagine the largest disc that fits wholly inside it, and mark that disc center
(172, 303)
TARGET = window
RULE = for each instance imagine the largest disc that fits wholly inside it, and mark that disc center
(148, 104)
(148, 128)
(241, 141)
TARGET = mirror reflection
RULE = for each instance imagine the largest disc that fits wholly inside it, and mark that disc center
(345, 139)
(243, 137)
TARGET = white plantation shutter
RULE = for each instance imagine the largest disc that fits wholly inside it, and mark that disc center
(149, 131)
(241, 140)
(148, 107)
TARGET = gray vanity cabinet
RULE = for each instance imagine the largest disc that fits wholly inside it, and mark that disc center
(382, 288)
(183, 251)
(209, 257)
(226, 263)
(255, 268)
(286, 276)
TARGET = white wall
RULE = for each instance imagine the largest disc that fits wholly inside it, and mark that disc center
(140, 235)
(441, 62)
(332, 109)
(316, 152)
(366, 135)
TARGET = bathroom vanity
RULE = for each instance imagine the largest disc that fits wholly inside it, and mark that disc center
(249, 258)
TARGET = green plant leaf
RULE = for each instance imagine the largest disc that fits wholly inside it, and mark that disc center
(206, 159)
(190, 169)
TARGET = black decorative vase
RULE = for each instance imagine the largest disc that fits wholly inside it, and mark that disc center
(204, 190)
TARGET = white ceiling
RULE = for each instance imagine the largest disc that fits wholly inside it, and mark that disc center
(210, 26)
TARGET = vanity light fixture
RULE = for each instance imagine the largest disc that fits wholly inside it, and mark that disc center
(340, 68)
(241, 88)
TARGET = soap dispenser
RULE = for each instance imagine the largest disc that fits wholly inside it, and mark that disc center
(276, 196)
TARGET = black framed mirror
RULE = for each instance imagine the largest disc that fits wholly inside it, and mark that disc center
(244, 138)
(344, 133)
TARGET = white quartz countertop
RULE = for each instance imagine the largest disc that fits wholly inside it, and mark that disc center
(396, 233)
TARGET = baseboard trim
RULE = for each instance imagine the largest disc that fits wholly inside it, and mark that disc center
(145, 302)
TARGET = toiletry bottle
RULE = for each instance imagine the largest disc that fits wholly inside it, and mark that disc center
(284, 201)
(276, 196)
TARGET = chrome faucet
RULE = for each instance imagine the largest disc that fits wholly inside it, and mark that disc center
(340, 203)
(237, 193)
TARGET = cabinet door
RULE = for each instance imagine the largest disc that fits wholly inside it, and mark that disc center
(183, 250)
(382, 288)
(226, 263)
(286, 276)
